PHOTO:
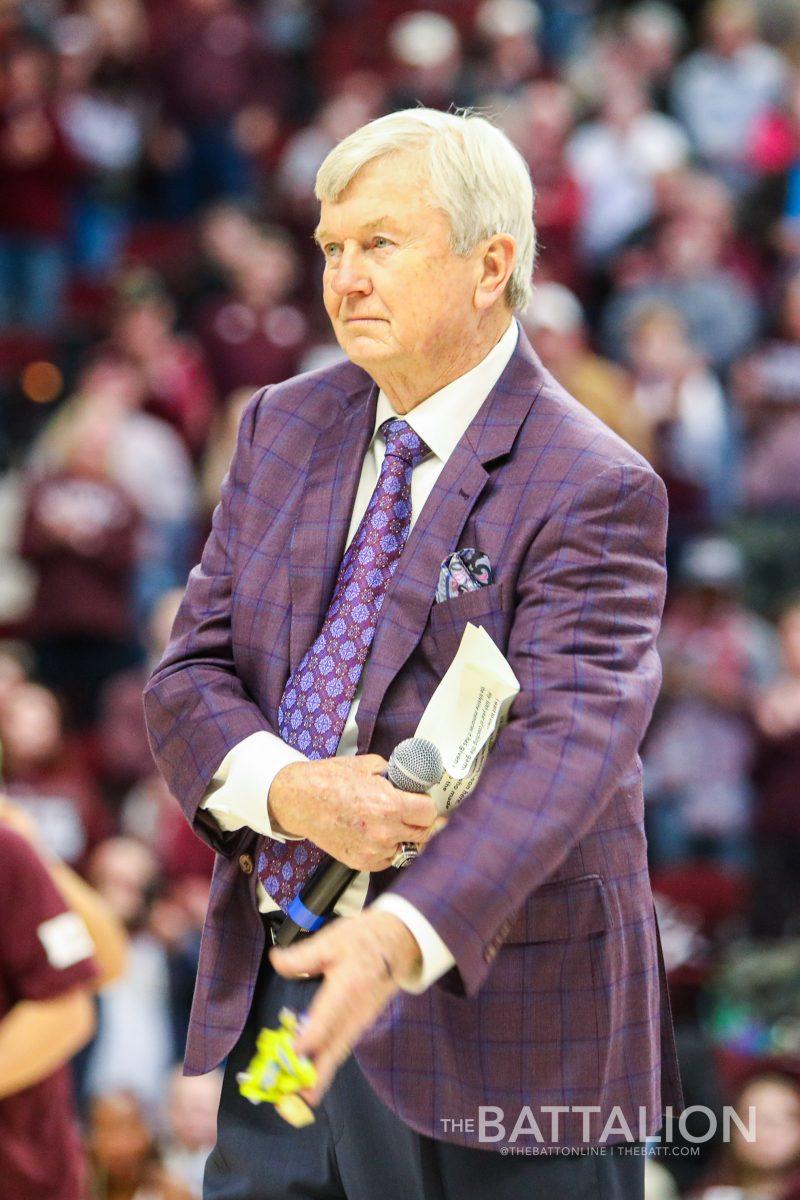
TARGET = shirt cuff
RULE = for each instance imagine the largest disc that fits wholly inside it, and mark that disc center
(436, 958)
(239, 791)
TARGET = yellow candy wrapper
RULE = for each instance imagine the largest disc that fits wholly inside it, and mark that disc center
(277, 1073)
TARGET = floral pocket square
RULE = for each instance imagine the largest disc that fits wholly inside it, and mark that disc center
(464, 570)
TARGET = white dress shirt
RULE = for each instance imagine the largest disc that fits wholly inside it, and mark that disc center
(238, 793)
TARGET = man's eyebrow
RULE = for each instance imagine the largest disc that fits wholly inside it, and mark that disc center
(322, 235)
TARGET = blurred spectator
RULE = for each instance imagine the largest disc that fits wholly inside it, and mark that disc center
(103, 120)
(685, 409)
(110, 943)
(776, 883)
(538, 123)
(767, 389)
(150, 461)
(172, 365)
(768, 1167)
(687, 272)
(769, 210)
(426, 48)
(226, 234)
(708, 204)
(357, 101)
(124, 753)
(767, 400)
(151, 815)
(290, 28)
(47, 778)
(554, 321)
(147, 459)
(512, 58)
(45, 1016)
(216, 81)
(123, 1153)
(699, 751)
(38, 173)
(57, 944)
(133, 1049)
(192, 1103)
(253, 333)
(721, 90)
(654, 33)
(80, 533)
(616, 159)
(773, 142)
(122, 29)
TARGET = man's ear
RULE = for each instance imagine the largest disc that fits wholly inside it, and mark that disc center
(498, 256)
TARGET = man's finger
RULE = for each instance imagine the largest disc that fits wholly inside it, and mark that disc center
(424, 835)
(417, 809)
(342, 1008)
(370, 764)
(437, 826)
(326, 1066)
(326, 1019)
(310, 956)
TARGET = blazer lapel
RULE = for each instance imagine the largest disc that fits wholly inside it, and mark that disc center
(436, 532)
(320, 531)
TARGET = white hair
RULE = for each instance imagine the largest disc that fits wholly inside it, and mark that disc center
(476, 176)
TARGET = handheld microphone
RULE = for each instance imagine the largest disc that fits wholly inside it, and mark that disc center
(414, 766)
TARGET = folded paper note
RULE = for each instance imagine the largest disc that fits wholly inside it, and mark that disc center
(466, 713)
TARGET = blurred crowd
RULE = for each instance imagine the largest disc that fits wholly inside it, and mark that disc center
(157, 161)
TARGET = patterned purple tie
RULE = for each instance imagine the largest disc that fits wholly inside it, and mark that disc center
(318, 695)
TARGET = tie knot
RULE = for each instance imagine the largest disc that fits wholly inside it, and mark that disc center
(403, 442)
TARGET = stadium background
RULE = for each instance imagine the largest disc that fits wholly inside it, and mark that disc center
(157, 160)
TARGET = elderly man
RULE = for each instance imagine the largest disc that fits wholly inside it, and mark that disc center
(504, 994)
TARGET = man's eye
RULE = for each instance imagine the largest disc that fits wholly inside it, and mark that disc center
(329, 249)
(381, 242)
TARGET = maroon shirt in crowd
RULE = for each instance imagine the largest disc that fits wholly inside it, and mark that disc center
(209, 65)
(44, 952)
(79, 534)
(35, 187)
(249, 348)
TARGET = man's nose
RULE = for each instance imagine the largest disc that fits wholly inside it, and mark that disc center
(350, 273)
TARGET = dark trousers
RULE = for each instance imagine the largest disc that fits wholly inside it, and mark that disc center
(357, 1149)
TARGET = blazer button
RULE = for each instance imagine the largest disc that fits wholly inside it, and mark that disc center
(246, 864)
(490, 952)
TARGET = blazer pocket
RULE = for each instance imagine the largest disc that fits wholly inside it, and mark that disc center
(449, 618)
(570, 908)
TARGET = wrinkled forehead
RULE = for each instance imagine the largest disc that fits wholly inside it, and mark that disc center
(393, 188)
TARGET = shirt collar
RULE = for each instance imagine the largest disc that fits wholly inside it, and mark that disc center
(442, 419)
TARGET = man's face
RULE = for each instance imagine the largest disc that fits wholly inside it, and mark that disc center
(398, 297)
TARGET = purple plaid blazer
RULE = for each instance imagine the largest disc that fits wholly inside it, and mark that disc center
(539, 883)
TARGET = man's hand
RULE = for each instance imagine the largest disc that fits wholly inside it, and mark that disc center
(364, 960)
(346, 807)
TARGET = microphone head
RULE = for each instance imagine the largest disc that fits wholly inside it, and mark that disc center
(415, 765)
